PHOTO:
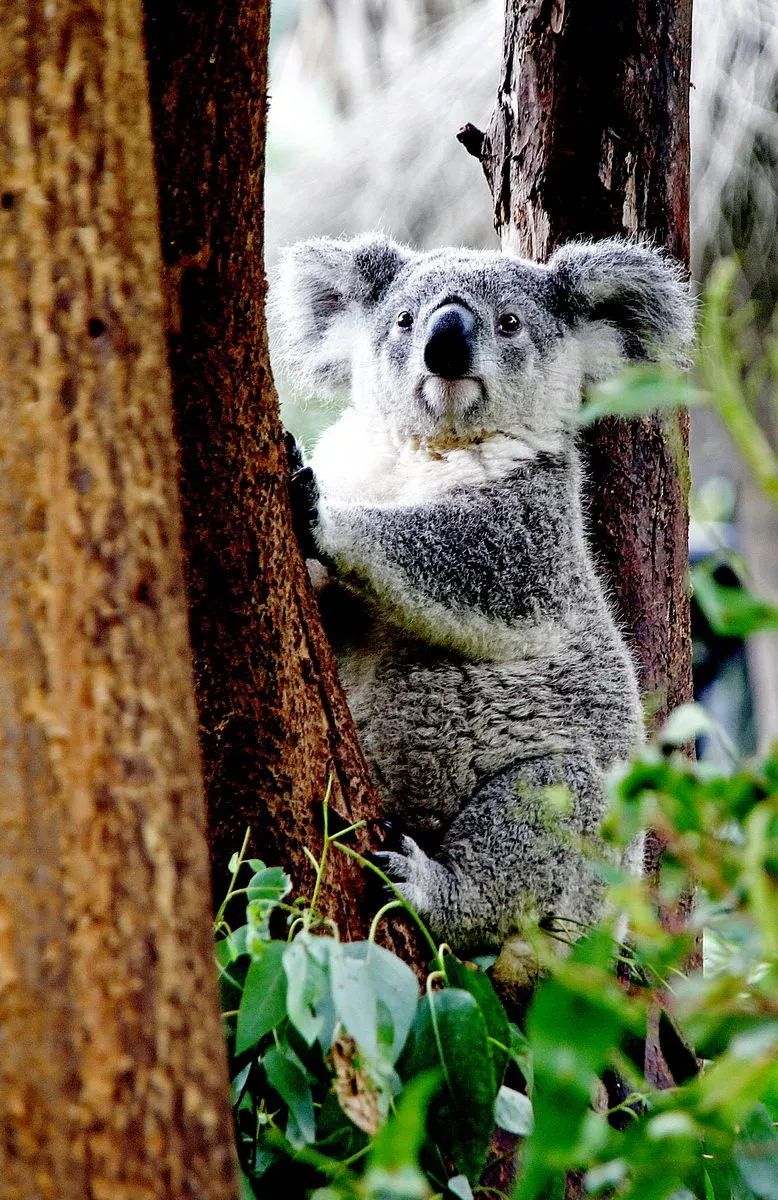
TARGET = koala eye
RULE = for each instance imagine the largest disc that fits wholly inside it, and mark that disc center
(508, 323)
(405, 319)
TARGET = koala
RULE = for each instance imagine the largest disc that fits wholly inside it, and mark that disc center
(489, 681)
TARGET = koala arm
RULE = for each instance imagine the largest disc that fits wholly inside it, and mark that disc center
(455, 569)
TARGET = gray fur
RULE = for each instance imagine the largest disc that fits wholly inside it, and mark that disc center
(639, 291)
(477, 649)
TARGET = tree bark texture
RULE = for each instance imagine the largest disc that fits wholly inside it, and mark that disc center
(590, 138)
(113, 1081)
(274, 724)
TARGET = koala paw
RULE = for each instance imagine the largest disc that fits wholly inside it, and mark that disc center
(411, 869)
(304, 497)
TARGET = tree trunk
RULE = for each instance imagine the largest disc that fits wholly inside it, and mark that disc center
(275, 727)
(590, 137)
(112, 1069)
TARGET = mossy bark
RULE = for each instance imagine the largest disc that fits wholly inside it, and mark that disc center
(112, 1068)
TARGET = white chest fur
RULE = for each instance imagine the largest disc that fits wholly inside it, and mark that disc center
(355, 464)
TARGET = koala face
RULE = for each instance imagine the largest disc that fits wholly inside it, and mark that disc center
(460, 343)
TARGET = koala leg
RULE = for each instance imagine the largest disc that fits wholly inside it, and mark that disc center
(510, 857)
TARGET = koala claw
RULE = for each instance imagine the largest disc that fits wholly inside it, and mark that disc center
(294, 454)
(304, 497)
(409, 868)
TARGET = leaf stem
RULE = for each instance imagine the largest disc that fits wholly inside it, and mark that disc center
(231, 888)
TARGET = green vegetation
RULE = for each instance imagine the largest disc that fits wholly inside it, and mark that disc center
(346, 1081)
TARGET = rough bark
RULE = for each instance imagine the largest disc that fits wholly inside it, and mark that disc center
(590, 138)
(274, 723)
(112, 1070)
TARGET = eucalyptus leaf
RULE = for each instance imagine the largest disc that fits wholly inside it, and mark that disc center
(471, 980)
(394, 984)
(731, 611)
(756, 1155)
(513, 1111)
(306, 982)
(245, 1190)
(450, 1032)
(459, 1186)
(239, 1082)
(231, 947)
(263, 1002)
(292, 1085)
(398, 1144)
(354, 998)
(269, 883)
(685, 724)
(638, 391)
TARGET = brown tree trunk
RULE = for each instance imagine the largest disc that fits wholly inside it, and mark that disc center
(112, 1069)
(590, 137)
(275, 727)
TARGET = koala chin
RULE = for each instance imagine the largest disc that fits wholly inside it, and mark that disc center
(478, 651)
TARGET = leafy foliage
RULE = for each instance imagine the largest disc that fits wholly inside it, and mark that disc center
(348, 1083)
(343, 1074)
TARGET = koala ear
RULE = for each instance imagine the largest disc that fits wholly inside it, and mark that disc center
(626, 299)
(322, 289)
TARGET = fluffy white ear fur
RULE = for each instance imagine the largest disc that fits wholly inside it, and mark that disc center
(624, 300)
(319, 296)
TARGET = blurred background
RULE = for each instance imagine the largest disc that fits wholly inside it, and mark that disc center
(366, 100)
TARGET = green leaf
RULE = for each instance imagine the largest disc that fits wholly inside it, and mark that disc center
(479, 986)
(605, 1175)
(731, 611)
(756, 1155)
(231, 947)
(709, 1191)
(355, 1000)
(263, 1002)
(685, 724)
(269, 883)
(231, 983)
(640, 390)
(306, 982)
(575, 1024)
(265, 890)
(394, 984)
(291, 1083)
(245, 1190)
(239, 1082)
(513, 1111)
(520, 1053)
(449, 1032)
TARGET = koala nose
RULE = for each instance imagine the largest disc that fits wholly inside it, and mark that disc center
(448, 350)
